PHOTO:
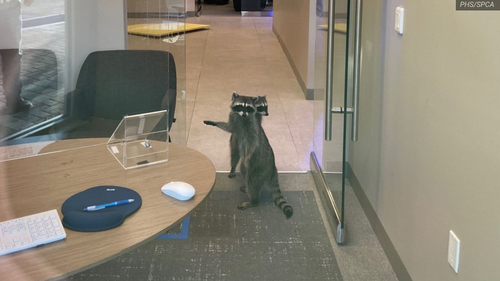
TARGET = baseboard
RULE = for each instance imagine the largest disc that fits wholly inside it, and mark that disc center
(378, 228)
(267, 14)
(308, 93)
(329, 205)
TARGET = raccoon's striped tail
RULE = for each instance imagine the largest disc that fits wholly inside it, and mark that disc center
(282, 204)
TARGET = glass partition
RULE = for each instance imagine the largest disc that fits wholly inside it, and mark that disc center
(74, 69)
(164, 21)
(71, 70)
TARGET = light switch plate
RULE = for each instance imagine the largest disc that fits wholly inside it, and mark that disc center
(400, 14)
(453, 251)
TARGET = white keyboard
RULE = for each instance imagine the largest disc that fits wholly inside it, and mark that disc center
(30, 231)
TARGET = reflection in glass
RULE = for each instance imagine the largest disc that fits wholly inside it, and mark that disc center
(31, 54)
(58, 36)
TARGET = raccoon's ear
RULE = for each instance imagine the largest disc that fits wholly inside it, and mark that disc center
(255, 99)
(235, 95)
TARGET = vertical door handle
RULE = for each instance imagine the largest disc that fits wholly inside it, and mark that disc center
(356, 70)
(356, 75)
(329, 71)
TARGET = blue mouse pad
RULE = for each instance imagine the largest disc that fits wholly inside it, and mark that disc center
(76, 219)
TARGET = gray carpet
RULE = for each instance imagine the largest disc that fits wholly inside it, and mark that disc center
(229, 244)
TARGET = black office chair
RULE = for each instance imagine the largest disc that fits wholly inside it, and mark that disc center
(112, 84)
(249, 5)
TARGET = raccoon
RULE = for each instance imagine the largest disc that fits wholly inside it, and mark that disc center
(258, 166)
(262, 110)
(261, 106)
(240, 105)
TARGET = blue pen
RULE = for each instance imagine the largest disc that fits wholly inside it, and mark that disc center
(102, 206)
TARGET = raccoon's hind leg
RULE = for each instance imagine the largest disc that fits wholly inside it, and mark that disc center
(235, 155)
(253, 192)
(254, 183)
(243, 170)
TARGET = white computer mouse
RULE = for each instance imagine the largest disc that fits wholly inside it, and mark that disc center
(179, 190)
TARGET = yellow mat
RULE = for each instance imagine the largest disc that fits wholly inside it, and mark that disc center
(163, 29)
(339, 27)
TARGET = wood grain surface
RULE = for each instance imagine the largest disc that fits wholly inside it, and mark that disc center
(44, 182)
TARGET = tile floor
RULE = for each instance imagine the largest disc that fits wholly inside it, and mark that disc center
(242, 54)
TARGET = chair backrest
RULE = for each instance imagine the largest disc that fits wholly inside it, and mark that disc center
(126, 82)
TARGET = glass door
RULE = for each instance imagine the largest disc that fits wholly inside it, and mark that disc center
(334, 66)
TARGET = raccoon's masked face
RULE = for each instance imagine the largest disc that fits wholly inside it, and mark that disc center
(243, 105)
(261, 105)
(243, 110)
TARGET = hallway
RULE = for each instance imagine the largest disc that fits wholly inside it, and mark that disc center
(242, 54)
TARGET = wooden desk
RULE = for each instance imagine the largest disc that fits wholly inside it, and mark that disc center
(44, 182)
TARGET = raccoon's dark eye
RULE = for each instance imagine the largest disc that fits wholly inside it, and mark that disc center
(238, 108)
(241, 108)
(262, 108)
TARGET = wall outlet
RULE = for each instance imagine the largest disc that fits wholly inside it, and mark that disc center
(453, 251)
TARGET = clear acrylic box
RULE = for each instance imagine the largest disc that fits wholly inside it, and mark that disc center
(141, 140)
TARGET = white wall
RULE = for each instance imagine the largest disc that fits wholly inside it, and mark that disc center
(292, 23)
(92, 25)
(428, 153)
(190, 5)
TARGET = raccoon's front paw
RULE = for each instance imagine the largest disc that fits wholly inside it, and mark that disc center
(231, 175)
(243, 189)
(209, 123)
